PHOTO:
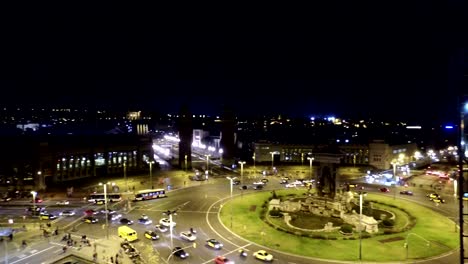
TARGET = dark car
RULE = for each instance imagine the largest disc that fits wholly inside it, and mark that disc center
(151, 235)
(384, 189)
(258, 187)
(126, 221)
(179, 252)
(406, 192)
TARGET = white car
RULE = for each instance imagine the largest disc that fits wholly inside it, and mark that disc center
(64, 202)
(160, 228)
(258, 183)
(67, 213)
(188, 236)
(166, 222)
(263, 255)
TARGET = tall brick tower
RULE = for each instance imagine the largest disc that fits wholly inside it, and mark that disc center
(185, 128)
(227, 135)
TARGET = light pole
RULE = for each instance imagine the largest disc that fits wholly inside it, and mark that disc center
(407, 243)
(242, 171)
(151, 174)
(34, 193)
(207, 164)
(302, 159)
(125, 175)
(230, 179)
(185, 158)
(360, 224)
(105, 208)
(272, 159)
(311, 159)
(394, 163)
(170, 213)
(253, 157)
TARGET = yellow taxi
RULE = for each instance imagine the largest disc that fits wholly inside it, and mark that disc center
(47, 216)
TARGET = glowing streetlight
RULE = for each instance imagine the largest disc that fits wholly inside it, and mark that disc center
(231, 179)
(125, 174)
(185, 158)
(34, 193)
(105, 207)
(171, 224)
(394, 163)
(272, 159)
(253, 157)
(207, 164)
(242, 170)
(311, 159)
(151, 174)
(360, 223)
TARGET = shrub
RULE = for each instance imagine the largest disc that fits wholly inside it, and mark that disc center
(388, 222)
(346, 228)
(275, 213)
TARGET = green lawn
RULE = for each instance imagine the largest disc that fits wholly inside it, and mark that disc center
(429, 226)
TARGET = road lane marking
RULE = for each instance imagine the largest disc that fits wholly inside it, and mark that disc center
(39, 252)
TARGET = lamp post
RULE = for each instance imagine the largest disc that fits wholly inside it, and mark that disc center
(207, 165)
(230, 179)
(125, 175)
(394, 163)
(407, 243)
(105, 208)
(170, 213)
(311, 159)
(34, 193)
(242, 171)
(185, 158)
(253, 157)
(272, 159)
(302, 159)
(151, 174)
(360, 223)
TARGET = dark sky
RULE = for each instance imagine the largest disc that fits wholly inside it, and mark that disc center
(378, 60)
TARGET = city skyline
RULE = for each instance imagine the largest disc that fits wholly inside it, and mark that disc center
(406, 69)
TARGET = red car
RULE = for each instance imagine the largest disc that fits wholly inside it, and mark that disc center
(384, 189)
(223, 260)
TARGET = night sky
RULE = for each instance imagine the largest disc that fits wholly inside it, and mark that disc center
(357, 61)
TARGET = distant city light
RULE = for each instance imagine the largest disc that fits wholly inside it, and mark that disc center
(448, 127)
(413, 127)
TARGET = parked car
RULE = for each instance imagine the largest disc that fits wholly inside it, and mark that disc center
(384, 189)
(63, 202)
(145, 221)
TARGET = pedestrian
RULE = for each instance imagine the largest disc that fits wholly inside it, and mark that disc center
(95, 256)
(112, 259)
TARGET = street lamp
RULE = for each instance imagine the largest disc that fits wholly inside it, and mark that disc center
(105, 207)
(125, 175)
(253, 157)
(272, 159)
(360, 223)
(242, 170)
(34, 193)
(207, 164)
(230, 179)
(302, 159)
(151, 174)
(170, 213)
(394, 163)
(185, 158)
(407, 243)
(311, 159)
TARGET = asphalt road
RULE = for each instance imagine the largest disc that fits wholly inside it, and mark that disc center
(197, 207)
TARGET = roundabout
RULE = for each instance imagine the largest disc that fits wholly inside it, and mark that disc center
(418, 233)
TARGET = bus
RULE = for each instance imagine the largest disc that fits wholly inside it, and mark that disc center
(98, 198)
(150, 194)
